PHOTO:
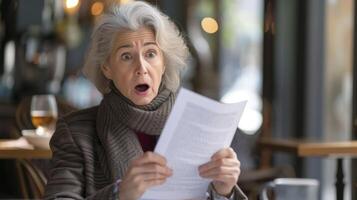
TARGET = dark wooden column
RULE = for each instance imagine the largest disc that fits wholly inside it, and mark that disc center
(268, 76)
(354, 107)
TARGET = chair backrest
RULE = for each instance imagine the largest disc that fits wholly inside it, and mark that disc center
(32, 180)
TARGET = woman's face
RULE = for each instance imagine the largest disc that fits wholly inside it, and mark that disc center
(136, 65)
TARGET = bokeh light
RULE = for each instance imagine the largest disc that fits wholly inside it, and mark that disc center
(97, 8)
(209, 25)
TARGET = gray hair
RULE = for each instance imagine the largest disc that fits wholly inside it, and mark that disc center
(134, 16)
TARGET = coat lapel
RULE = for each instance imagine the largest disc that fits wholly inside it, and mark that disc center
(120, 145)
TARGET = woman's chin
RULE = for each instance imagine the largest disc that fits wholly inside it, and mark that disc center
(142, 101)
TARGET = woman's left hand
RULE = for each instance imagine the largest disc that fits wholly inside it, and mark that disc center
(224, 169)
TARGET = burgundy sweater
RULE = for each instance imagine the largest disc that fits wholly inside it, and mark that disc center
(147, 142)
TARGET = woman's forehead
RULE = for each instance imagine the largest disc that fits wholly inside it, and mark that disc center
(127, 37)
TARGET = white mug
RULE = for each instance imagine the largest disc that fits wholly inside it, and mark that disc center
(292, 189)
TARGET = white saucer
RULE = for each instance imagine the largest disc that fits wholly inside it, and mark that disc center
(38, 141)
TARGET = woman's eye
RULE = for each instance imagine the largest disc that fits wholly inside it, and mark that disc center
(151, 54)
(126, 56)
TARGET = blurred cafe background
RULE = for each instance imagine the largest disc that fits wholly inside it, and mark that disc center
(295, 61)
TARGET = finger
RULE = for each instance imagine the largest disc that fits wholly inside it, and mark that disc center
(149, 157)
(224, 153)
(151, 168)
(218, 163)
(154, 182)
(140, 179)
(141, 185)
(153, 176)
(224, 178)
(220, 171)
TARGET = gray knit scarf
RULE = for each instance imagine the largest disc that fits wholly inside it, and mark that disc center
(117, 121)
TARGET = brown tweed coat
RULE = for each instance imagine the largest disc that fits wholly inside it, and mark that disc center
(80, 169)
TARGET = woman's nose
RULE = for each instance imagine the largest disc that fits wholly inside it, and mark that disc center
(142, 67)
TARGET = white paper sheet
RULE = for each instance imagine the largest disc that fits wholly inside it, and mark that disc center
(196, 128)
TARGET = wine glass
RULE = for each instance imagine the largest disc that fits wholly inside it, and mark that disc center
(43, 114)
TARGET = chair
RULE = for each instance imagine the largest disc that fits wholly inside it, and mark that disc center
(32, 180)
(32, 174)
(253, 176)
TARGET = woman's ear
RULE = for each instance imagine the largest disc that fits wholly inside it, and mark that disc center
(106, 71)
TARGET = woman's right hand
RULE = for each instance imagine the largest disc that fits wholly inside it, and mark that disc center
(144, 172)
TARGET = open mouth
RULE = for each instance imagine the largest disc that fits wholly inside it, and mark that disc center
(142, 87)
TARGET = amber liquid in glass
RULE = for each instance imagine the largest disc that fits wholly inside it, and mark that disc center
(42, 118)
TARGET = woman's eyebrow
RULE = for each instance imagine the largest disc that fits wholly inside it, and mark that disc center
(130, 45)
(150, 43)
(124, 46)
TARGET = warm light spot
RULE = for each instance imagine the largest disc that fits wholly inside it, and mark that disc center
(209, 25)
(124, 1)
(71, 3)
(97, 8)
(71, 6)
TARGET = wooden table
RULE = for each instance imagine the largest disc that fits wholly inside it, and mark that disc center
(302, 148)
(21, 152)
(25, 154)
(16, 152)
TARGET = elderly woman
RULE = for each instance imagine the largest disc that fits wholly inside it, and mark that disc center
(105, 152)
